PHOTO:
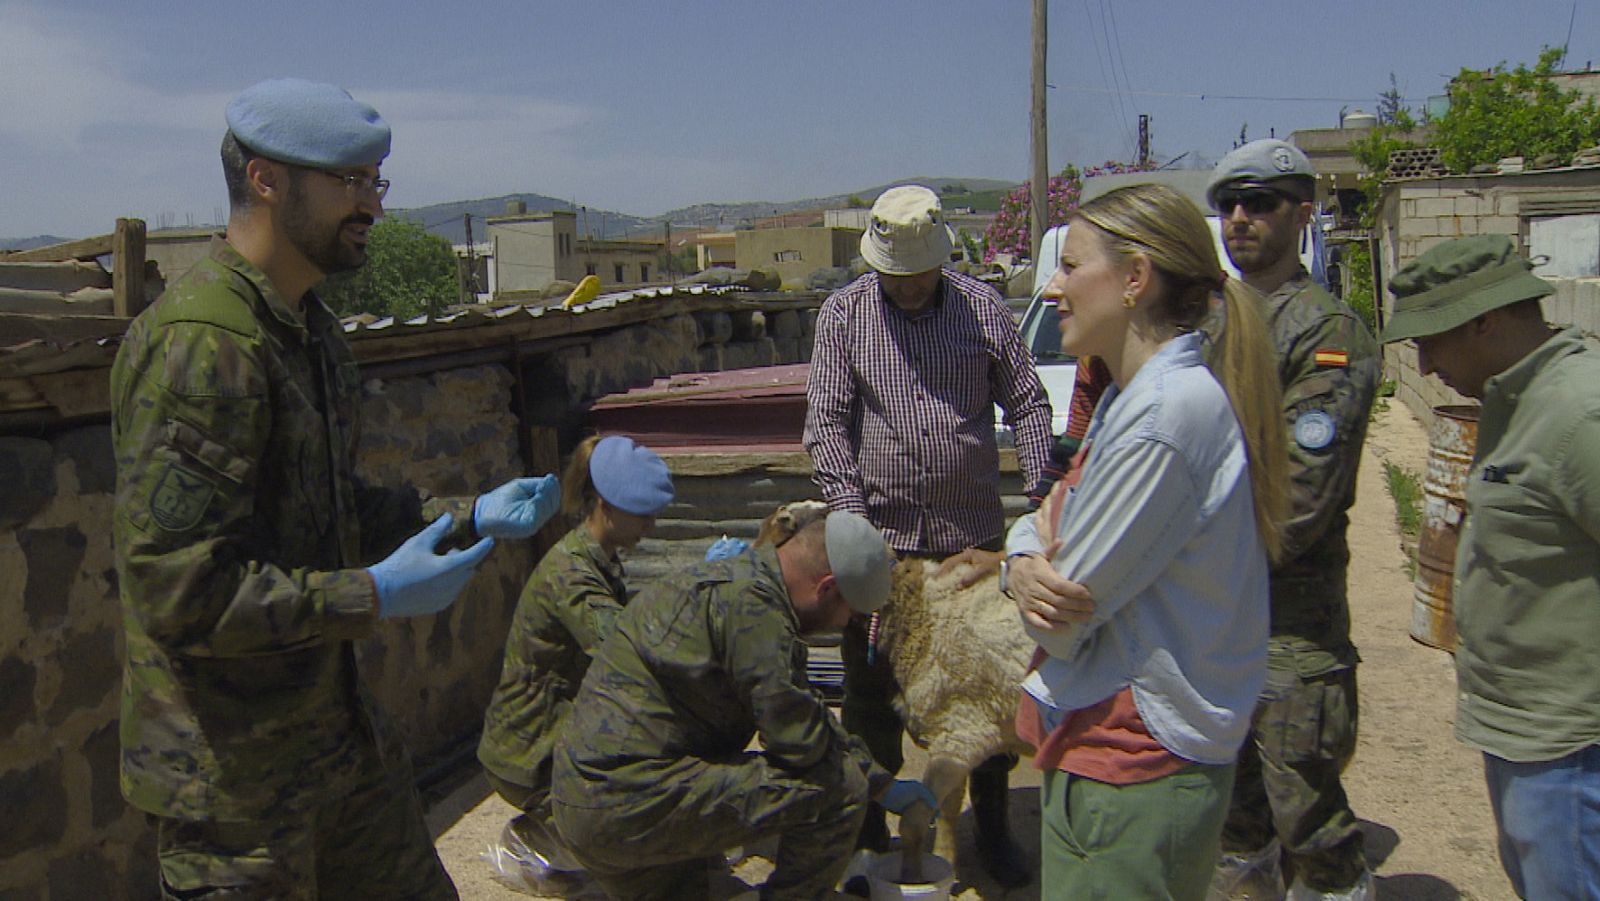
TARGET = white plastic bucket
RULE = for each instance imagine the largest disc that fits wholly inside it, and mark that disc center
(883, 877)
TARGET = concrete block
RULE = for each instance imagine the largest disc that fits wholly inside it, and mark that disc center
(1499, 225)
(1436, 206)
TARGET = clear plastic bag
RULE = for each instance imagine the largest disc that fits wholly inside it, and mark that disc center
(549, 873)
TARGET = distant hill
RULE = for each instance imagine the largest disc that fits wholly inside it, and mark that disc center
(30, 243)
(980, 193)
(445, 219)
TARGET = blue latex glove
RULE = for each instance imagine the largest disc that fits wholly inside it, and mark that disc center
(899, 797)
(415, 581)
(726, 547)
(518, 508)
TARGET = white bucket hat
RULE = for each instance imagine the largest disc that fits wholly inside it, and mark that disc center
(907, 235)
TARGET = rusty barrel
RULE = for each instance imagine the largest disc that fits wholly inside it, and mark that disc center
(1444, 506)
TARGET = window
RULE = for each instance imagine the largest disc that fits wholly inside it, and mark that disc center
(786, 256)
(1571, 242)
(588, 269)
(644, 272)
(618, 269)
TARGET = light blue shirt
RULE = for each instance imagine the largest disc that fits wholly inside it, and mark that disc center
(1162, 532)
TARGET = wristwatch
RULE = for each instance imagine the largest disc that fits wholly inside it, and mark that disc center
(1005, 573)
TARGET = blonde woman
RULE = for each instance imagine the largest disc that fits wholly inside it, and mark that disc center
(614, 488)
(1146, 585)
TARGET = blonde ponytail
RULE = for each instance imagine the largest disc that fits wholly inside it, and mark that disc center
(1245, 366)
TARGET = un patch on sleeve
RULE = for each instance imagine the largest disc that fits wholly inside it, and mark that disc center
(1314, 430)
(180, 498)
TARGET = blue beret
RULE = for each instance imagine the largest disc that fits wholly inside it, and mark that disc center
(629, 476)
(292, 120)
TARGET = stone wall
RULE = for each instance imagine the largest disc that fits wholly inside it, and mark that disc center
(450, 429)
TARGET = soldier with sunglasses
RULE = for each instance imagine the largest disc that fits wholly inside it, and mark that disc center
(1288, 801)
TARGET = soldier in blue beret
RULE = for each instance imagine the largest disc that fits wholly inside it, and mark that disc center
(244, 540)
(1288, 800)
(1527, 608)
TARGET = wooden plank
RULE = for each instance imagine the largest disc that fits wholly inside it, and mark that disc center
(127, 268)
(77, 392)
(85, 249)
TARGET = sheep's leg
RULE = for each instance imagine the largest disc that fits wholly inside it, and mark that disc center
(913, 838)
(946, 778)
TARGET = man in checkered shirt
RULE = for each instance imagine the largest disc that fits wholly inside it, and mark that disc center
(908, 365)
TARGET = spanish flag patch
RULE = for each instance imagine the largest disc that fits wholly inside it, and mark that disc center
(1327, 357)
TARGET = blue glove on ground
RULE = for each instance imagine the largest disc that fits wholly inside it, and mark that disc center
(415, 581)
(518, 508)
(726, 547)
(899, 797)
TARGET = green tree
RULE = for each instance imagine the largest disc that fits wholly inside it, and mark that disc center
(1496, 114)
(1393, 132)
(408, 272)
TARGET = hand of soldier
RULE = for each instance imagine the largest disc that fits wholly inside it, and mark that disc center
(981, 564)
(518, 508)
(1046, 599)
(904, 794)
(415, 581)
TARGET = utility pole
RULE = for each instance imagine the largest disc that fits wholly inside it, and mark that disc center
(1041, 164)
(1144, 140)
(470, 283)
(667, 228)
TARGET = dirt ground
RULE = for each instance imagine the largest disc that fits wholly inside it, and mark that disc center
(1419, 794)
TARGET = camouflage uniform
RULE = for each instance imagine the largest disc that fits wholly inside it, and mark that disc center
(240, 530)
(568, 607)
(653, 778)
(1305, 725)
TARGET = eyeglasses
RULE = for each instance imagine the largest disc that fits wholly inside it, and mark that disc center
(357, 184)
(1256, 201)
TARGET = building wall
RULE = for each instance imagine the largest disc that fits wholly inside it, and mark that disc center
(69, 834)
(640, 263)
(531, 251)
(795, 253)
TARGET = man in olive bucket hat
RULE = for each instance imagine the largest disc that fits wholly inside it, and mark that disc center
(1527, 580)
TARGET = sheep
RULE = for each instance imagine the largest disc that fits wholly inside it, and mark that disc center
(959, 656)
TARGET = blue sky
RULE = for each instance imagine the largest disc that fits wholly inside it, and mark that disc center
(113, 108)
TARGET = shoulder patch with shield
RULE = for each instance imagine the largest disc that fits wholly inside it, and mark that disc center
(180, 498)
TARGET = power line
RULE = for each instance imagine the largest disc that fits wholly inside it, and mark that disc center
(1084, 89)
(1122, 58)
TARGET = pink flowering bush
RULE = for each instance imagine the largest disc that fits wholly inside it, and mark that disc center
(1008, 232)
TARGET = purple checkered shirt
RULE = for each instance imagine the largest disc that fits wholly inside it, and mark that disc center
(900, 424)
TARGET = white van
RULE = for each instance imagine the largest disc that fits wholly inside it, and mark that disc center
(1040, 325)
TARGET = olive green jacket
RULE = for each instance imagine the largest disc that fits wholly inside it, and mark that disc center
(1527, 591)
(566, 610)
(701, 662)
(240, 532)
(1329, 368)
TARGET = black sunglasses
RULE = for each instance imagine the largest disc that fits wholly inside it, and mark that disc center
(1256, 201)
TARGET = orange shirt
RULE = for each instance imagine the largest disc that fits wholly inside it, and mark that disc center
(1107, 742)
